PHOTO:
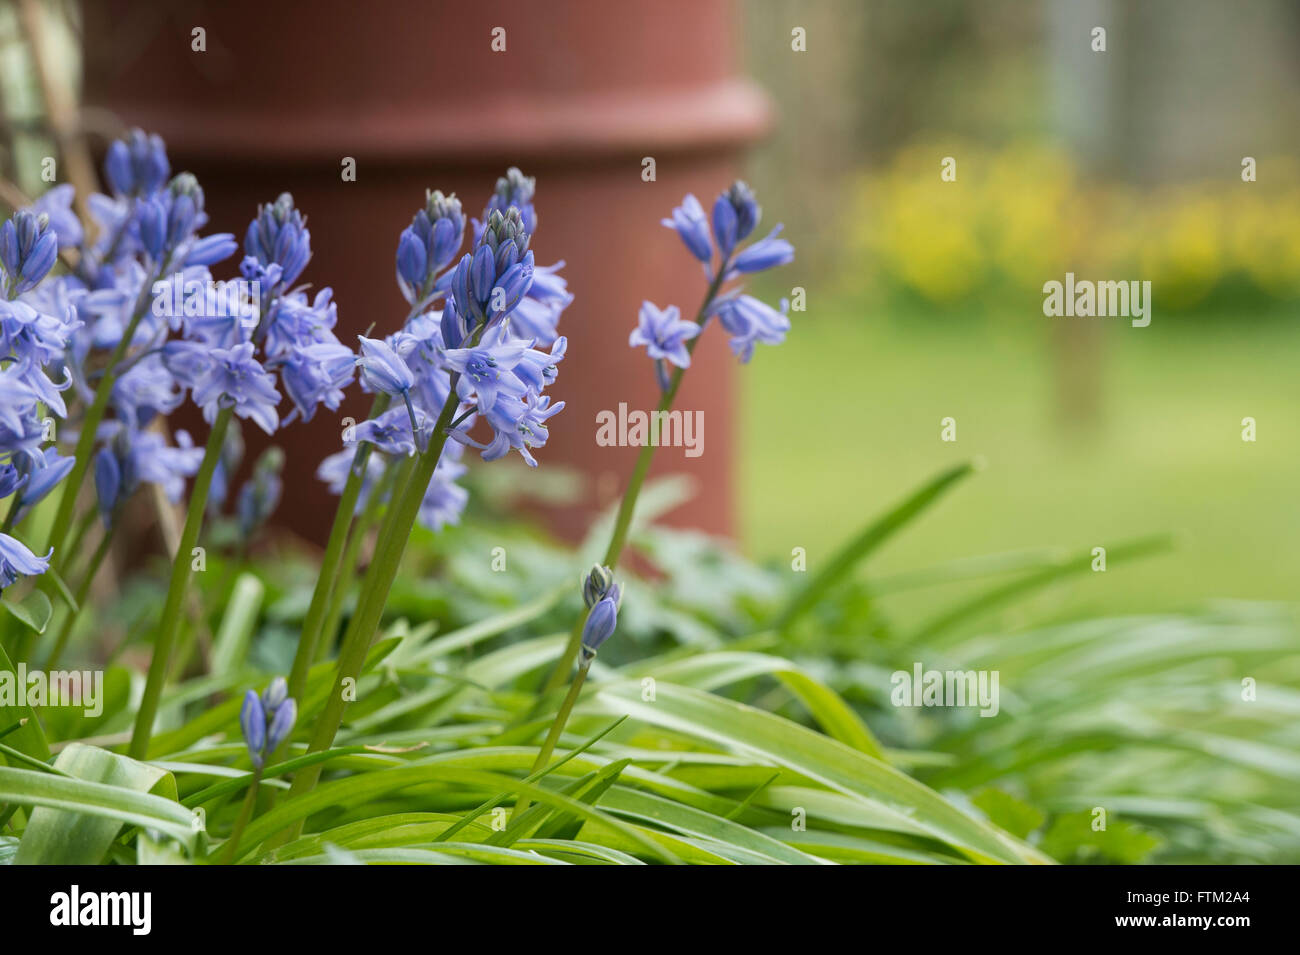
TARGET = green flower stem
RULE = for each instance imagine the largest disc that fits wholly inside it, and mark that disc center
(347, 569)
(90, 423)
(626, 507)
(331, 562)
(553, 737)
(182, 571)
(83, 589)
(230, 852)
(375, 587)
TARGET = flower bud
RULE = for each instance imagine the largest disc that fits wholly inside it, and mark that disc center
(252, 720)
(596, 584)
(281, 724)
(412, 258)
(747, 209)
(27, 250)
(275, 694)
(136, 165)
(600, 624)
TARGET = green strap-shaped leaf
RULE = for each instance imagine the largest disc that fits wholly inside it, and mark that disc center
(827, 761)
(78, 819)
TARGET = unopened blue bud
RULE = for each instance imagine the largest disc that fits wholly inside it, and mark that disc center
(601, 622)
(596, 584)
(412, 257)
(747, 209)
(151, 216)
(286, 714)
(27, 250)
(136, 165)
(275, 694)
(252, 720)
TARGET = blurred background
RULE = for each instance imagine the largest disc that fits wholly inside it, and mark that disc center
(924, 297)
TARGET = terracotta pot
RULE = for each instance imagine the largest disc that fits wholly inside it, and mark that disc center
(414, 92)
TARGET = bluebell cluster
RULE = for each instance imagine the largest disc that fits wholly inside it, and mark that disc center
(717, 239)
(484, 324)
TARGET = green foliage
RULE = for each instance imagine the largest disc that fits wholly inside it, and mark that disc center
(705, 734)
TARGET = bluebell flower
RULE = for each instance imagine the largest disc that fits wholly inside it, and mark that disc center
(28, 249)
(391, 431)
(136, 164)
(145, 390)
(764, 254)
(297, 321)
(420, 346)
(518, 425)
(234, 378)
(17, 399)
(17, 561)
(538, 369)
(487, 369)
(316, 375)
(601, 622)
(21, 434)
(382, 369)
(42, 480)
(39, 331)
(664, 333)
(277, 245)
(749, 320)
(692, 226)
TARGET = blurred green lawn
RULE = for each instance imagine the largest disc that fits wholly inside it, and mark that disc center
(844, 419)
